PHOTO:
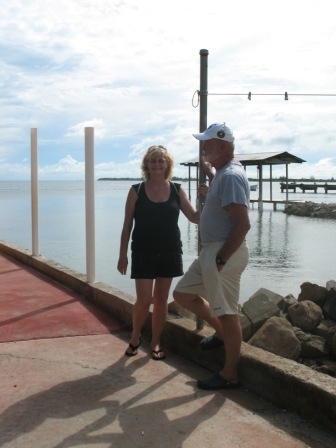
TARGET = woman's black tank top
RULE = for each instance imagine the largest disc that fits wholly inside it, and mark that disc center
(156, 223)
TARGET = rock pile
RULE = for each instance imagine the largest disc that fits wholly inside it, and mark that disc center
(302, 329)
(311, 209)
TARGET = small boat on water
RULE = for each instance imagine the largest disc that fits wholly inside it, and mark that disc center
(253, 187)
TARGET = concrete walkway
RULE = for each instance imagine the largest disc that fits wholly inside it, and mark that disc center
(65, 382)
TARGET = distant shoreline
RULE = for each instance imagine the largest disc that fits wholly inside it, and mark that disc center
(185, 179)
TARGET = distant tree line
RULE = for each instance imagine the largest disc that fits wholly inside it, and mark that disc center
(266, 179)
(182, 179)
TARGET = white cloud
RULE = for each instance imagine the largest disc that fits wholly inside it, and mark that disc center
(130, 68)
(96, 123)
(66, 165)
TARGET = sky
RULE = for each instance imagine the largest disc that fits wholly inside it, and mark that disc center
(130, 68)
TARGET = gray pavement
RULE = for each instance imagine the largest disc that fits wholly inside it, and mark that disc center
(82, 391)
(65, 382)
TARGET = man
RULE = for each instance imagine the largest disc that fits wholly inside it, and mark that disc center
(215, 274)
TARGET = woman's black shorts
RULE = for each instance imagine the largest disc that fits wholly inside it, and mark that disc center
(153, 265)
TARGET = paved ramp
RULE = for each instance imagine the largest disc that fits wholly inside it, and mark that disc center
(34, 307)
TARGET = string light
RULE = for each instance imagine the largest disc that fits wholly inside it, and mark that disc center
(249, 95)
(286, 95)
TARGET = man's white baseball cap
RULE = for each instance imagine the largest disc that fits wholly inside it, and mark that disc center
(216, 130)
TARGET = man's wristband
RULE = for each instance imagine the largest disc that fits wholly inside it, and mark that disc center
(219, 260)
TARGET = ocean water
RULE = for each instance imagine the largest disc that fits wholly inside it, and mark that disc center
(285, 251)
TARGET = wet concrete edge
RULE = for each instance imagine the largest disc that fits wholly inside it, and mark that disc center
(284, 382)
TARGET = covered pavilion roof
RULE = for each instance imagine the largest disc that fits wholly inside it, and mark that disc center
(260, 158)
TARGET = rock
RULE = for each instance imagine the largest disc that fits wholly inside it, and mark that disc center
(307, 362)
(286, 303)
(312, 209)
(277, 336)
(261, 306)
(246, 326)
(305, 315)
(323, 329)
(331, 340)
(329, 307)
(315, 347)
(312, 346)
(327, 367)
(315, 293)
(306, 334)
(330, 284)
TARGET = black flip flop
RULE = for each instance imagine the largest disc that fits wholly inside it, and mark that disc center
(155, 354)
(134, 348)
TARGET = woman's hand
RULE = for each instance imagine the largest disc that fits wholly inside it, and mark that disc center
(122, 265)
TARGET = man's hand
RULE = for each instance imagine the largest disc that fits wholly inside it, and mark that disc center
(203, 189)
(207, 168)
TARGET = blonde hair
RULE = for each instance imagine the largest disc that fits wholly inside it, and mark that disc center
(164, 153)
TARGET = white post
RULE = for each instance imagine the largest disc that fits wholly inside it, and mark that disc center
(90, 206)
(34, 192)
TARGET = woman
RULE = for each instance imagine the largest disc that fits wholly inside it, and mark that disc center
(153, 207)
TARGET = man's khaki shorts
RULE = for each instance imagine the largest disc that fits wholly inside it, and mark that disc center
(220, 288)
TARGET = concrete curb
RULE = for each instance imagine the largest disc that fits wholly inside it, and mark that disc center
(282, 381)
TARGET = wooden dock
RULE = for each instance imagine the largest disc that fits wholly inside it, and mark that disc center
(328, 187)
(275, 203)
(292, 186)
(306, 187)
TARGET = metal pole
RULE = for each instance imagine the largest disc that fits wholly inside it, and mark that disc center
(202, 126)
(90, 206)
(34, 192)
(287, 182)
(203, 116)
(260, 199)
(203, 105)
